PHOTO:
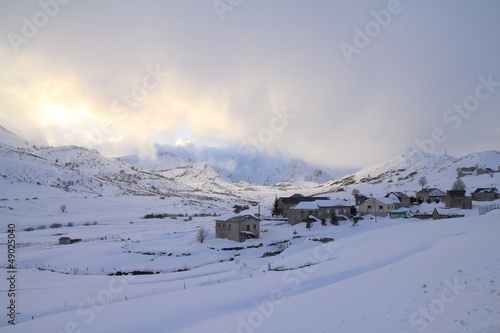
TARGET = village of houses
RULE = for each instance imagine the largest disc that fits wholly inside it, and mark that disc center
(428, 203)
(323, 210)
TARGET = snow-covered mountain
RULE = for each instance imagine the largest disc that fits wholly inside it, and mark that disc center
(217, 170)
(259, 168)
(198, 175)
(12, 139)
(402, 172)
(77, 169)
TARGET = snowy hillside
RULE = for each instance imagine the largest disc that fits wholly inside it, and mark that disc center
(390, 276)
(10, 139)
(258, 168)
(77, 169)
(196, 174)
(402, 173)
(136, 263)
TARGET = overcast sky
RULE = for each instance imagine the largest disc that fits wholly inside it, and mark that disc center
(337, 83)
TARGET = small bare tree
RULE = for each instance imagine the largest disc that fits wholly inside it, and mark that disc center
(422, 182)
(202, 234)
(63, 208)
(458, 185)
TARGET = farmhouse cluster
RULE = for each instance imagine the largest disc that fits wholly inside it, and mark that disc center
(299, 208)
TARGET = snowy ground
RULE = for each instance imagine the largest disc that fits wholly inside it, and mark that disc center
(389, 276)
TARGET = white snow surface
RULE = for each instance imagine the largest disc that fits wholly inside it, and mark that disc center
(390, 276)
(382, 275)
(257, 167)
(11, 139)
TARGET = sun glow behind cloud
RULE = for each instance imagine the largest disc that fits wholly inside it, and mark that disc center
(63, 115)
(220, 82)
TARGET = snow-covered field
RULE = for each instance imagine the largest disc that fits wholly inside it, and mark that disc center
(129, 273)
(389, 276)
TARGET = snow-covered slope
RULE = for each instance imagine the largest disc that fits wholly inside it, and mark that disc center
(10, 139)
(390, 276)
(258, 167)
(198, 175)
(77, 169)
(402, 172)
(163, 161)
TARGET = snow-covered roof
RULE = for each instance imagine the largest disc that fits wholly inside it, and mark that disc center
(307, 205)
(399, 195)
(333, 203)
(386, 201)
(486, 190)
(448, 211)
(433, 190)
(321, 204)
(240, 218)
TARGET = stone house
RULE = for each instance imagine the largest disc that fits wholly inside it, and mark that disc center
(457, 199)
(360, 198)
(402, 197)
(430, 193)
(485, 194)
(67, 240)
(320, 209)
(285, 203)
(64, 240)
(379, 206)
(238, 228)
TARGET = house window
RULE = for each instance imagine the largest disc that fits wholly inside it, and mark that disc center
(380, 207)
(228, 227)
(254, 227)
(369, 206)
(248, 228)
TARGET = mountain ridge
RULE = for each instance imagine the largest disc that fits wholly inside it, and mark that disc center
(79, 169)
(261, 168)
(404, 171)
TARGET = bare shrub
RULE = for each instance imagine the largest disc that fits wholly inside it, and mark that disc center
(202, 234)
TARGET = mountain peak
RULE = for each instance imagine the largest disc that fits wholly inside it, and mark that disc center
(9, 138)
(262, 168)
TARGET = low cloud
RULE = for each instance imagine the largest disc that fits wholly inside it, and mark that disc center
(221, 81)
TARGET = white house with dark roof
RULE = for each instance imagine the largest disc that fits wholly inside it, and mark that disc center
(403, 198)
(285, 203)
(321, 209)
(379, 206)
(430, 193)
